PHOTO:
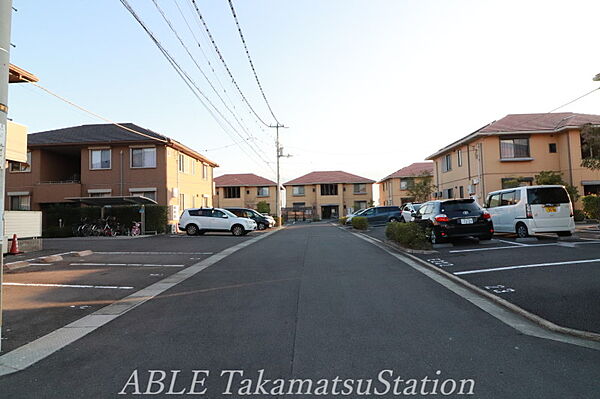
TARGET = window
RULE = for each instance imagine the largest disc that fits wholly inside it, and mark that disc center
(360, 188)
(547, 195)
(493, 201)
(181, 163)
(100, 159)
(514, 148)
(298, 190)
(104, 194)
(511, 182)
(204, 171)
(147, 194)
(448, 193)
(461, 191)
(447, 165)
(20, 166)
(218, 214)
(407, 184)
(329, 189)
(552, 148)
(232, 192)
(360, 205)
(509, 198)
(20, 202)
(182, 201)
(143, 157)
(204, 201)
(262, 191)
(297, 205)
(459, 158)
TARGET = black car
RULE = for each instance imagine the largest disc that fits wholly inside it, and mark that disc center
(383, 214)
(447, 219)
(261, 221)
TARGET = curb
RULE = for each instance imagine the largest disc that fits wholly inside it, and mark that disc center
(16, 265)
(51, 258)
(398, 247)
(87, 252)
(506, 304)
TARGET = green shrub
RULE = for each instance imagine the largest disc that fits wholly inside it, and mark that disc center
(578, 215)
(342, 220)
(591, 206)
(360, 222)
(263, 207)
(408, 235)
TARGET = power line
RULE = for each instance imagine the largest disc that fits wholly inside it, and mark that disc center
(250, 60)
(189, 82)
(577, 99)
(212, 40)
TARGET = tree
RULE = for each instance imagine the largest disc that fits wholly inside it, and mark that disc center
(552, 177)
(263, 207)
(590, 146)
(422, 188)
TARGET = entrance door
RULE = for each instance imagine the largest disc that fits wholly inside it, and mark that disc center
(330, 212)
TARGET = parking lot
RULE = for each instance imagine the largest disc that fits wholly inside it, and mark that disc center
(44, 296)
(557, 279)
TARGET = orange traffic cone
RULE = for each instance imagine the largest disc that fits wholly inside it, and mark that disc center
(14, 247)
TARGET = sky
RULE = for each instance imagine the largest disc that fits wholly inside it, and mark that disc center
(367, 86)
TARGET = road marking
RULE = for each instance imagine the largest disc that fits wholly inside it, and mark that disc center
(124, 264)
(31, 353)
(440, 262)
(571, 262)
(113, 287)
(495, 248)
(515, 243)
(499, 289)
(154, 253)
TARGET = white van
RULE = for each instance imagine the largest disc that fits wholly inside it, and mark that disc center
(531, 209)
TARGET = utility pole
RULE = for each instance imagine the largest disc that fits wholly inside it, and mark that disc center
(279, 155)
(5, 23)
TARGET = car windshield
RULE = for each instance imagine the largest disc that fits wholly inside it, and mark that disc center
(416, 207)
(547, 195)
(228, 213)
(460, 208)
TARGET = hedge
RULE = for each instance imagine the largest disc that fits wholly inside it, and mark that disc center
(360, 222)
(408, 235)
(591, 206)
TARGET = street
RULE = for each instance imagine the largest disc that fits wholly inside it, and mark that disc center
(313, 302)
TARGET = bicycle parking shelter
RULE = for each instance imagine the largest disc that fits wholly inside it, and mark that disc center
(107, 202)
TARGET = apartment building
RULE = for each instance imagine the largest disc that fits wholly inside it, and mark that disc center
(394, 189)
(244, 190)
(331, 194)
(516, 147)
(108, 160)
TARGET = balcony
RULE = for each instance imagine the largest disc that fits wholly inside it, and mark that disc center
(56, 191)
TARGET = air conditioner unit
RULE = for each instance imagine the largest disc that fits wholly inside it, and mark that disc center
(475, 180)
(174, 212)
(471, 189)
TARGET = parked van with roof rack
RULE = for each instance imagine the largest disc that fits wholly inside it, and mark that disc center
(531, 210)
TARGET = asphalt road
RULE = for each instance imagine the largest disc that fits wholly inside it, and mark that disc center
(311, 301)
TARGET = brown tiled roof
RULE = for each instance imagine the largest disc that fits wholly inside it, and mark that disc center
(415, 169)
(527, 123)
(332, 176)
(242, 179)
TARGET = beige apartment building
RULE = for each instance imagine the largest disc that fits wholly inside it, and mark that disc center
(518, 147)
(107, 160)
(394, 189)
(244, 190)
(330, 194)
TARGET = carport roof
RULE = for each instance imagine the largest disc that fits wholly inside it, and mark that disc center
(106, 201)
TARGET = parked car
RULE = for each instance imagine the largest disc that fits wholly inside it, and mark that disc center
(199, 221)
(409, 210)
(270, 218)
(447, 219)
(531, 210)
(382, 214)
(262, 222)
(356, 213)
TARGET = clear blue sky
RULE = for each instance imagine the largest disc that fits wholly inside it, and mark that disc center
(366, 86)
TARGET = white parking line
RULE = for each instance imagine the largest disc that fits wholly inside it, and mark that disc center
(154, 253)
(114, 287)
(124, 264)
(515, 243)
(494, 248)
(571, 262)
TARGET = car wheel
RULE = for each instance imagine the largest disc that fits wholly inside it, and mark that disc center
(394, 220)
(564, 234)
(237, 230)
(402, 220)
(261, 226)
(522, 231)
(191, 229)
